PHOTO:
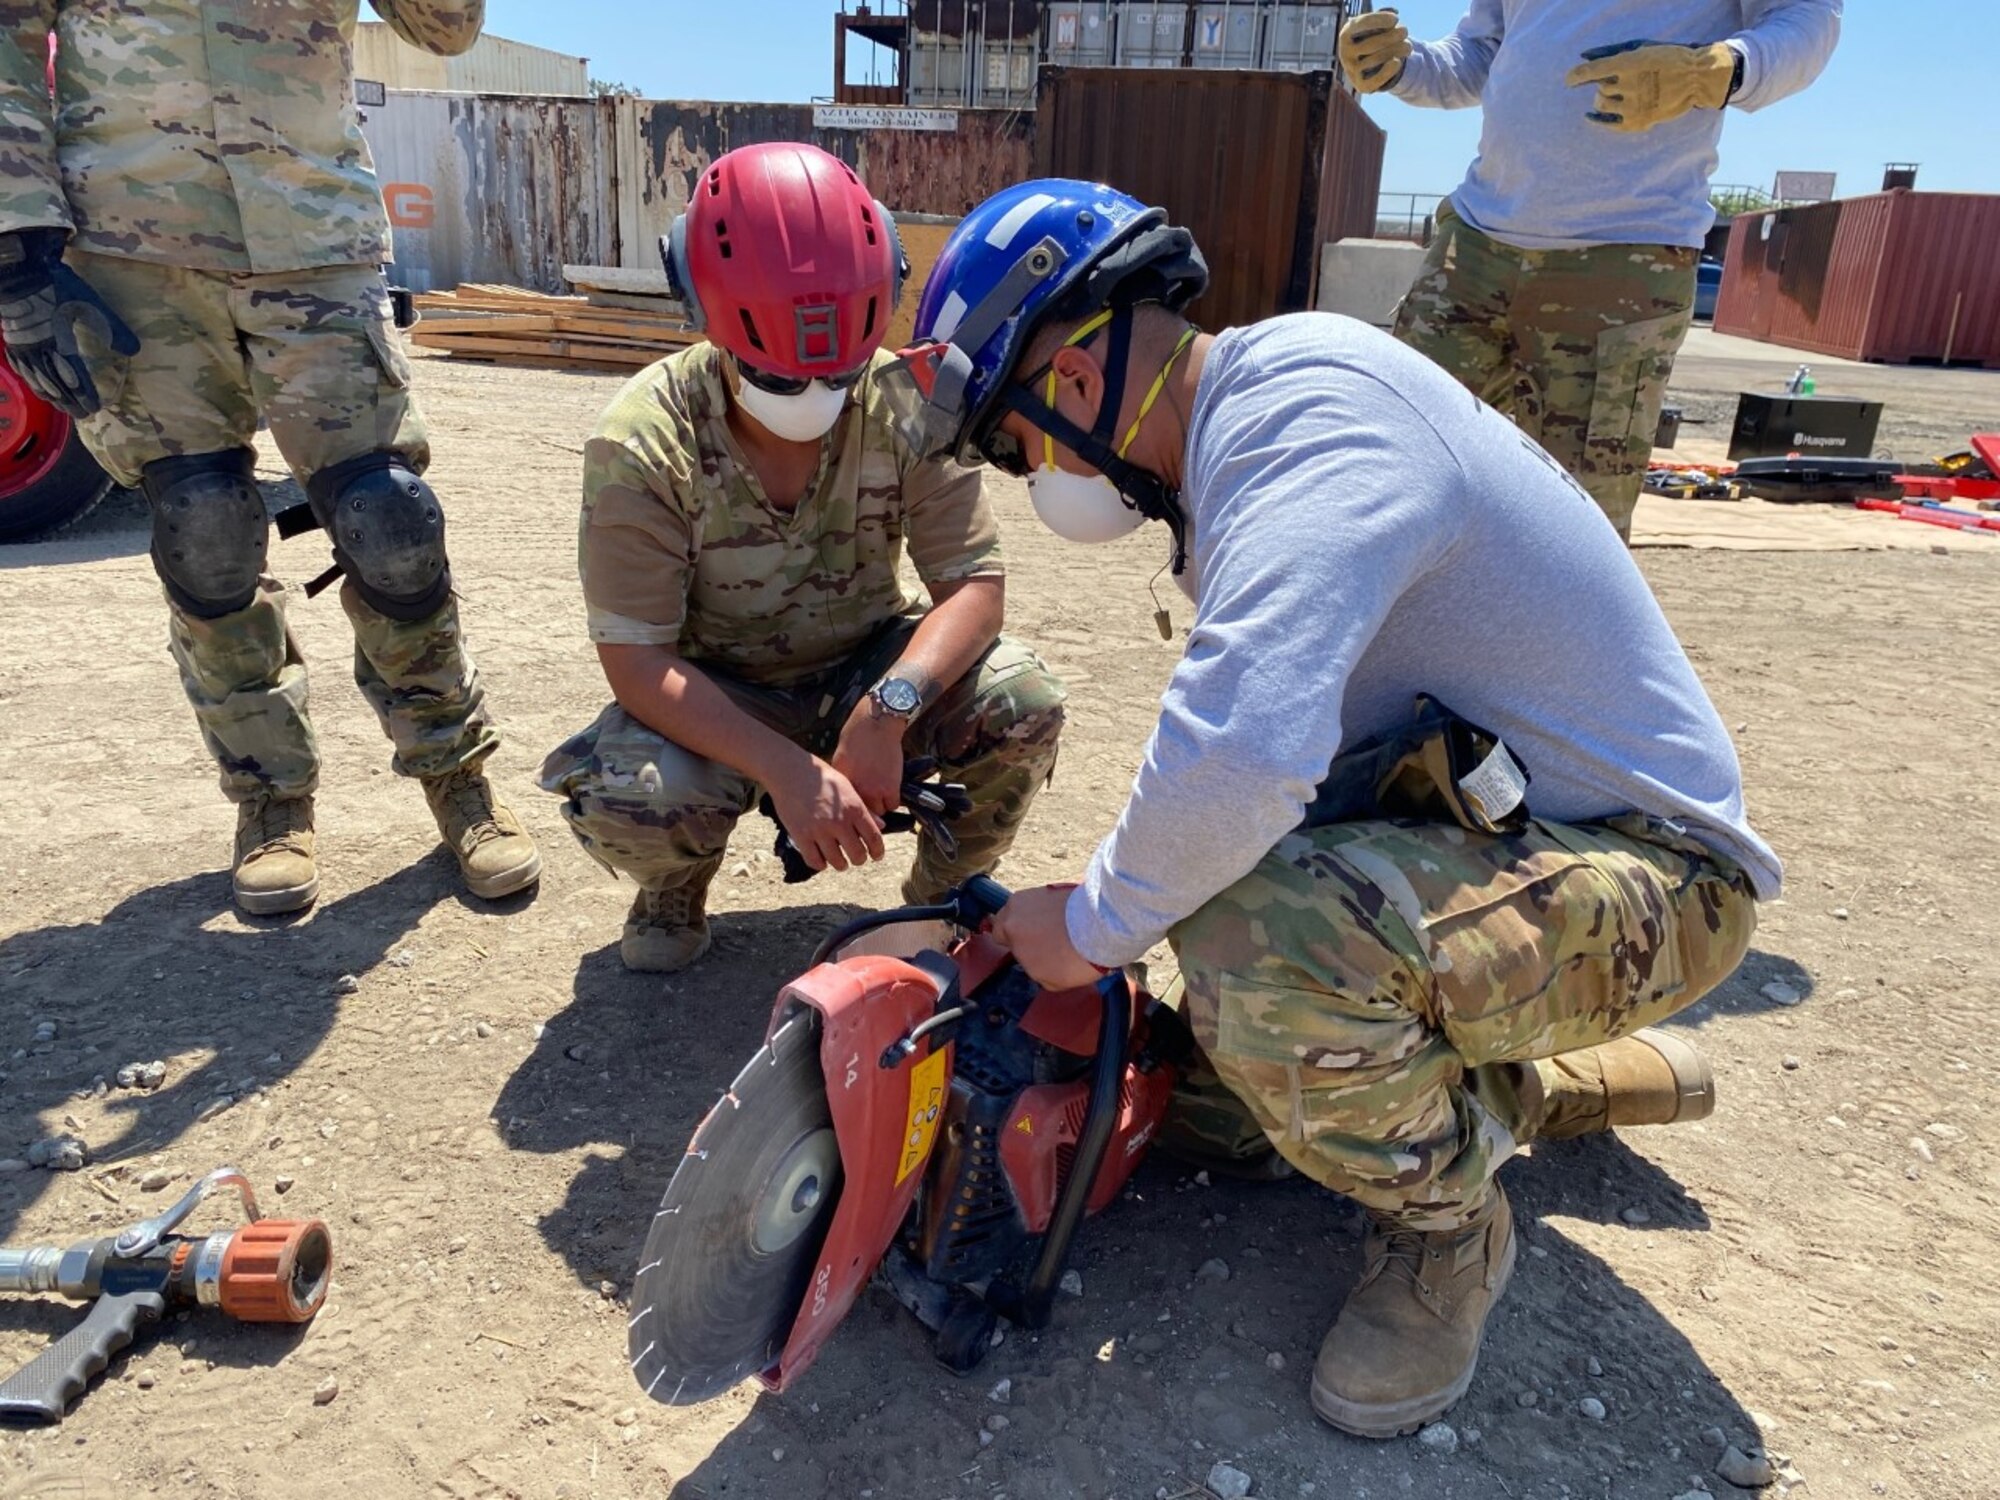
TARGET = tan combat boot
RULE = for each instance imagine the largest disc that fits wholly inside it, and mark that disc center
(668, 930)
(1404, 1347)
(495, 854)
(274, 871)
(1651, 1077)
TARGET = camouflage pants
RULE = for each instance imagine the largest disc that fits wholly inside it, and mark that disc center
(1373, 992)
(1575, 345)
(316, 355)
(645, 807)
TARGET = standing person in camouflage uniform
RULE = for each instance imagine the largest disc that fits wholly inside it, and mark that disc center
(745, 507)
(1561, 281)
(193, 243)
(1410, 944)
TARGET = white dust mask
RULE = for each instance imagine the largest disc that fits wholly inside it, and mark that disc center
(1081, 507)
(804, 418)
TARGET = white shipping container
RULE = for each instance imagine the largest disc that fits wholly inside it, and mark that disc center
(1079, 33)
(1151, 36)
(1226, 33)
(1300, 38)
(493, 65)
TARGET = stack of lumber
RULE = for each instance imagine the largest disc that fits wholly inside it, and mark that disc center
(507, 325)
(620, 319)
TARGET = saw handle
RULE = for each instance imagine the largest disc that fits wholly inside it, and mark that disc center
(1033, 1306)
(38, 1392)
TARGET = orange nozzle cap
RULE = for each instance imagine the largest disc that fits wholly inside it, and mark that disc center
(276, 1270)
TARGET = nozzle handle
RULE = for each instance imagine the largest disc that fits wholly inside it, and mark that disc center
(38, 1392)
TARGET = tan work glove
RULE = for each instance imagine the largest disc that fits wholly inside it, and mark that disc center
(1373, 49)
(1643, 84)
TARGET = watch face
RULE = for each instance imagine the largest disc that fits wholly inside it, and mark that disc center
(899, 697)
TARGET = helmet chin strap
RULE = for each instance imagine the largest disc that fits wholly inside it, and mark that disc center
(1145, 492)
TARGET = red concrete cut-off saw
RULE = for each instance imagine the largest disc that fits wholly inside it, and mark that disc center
(939, 1121)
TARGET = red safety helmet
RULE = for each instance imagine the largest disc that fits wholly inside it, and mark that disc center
(784, 259)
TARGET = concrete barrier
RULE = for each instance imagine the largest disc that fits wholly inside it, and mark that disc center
(1365, 279)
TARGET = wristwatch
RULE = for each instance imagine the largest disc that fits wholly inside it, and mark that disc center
(896, 698)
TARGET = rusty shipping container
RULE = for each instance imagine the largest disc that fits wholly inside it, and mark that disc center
(665, 146)
(1902, 277)
(1262, 167)
(495, 188)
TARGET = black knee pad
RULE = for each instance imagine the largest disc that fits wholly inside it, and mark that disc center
(210, 534)
(388, 533)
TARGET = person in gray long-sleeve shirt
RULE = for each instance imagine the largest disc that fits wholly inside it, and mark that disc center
(1561, 280)
(1400, 966)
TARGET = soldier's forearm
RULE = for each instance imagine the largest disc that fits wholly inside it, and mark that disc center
(31, 195)
(964, 620)
(675, 698)
(446, 27)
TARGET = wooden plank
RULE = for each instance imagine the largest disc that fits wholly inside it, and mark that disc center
(545, 362)
(555, 348)
(490, 323)
(663, 305)
(626, 279)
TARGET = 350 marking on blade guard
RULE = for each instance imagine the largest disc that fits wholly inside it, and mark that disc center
(926, 1099)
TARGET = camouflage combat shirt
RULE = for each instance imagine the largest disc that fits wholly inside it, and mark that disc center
(679, 546)
(217, 135)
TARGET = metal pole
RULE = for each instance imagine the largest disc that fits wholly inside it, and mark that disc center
(1952, 337)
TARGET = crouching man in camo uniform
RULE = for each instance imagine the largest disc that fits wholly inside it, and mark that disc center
(193, 242)
(746, 504)
(1411, 941)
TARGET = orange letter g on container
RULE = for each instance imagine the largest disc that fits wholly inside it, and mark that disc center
(409, 204)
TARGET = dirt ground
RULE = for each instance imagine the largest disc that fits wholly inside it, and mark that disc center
(487, 1119)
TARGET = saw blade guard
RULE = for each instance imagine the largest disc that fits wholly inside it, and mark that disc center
(887, 1102)
(795, 1182)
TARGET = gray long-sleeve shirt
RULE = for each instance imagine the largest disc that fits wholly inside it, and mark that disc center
(1365, 530)
(1548, 178)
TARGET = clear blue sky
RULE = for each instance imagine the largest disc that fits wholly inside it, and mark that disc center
(1912, 81)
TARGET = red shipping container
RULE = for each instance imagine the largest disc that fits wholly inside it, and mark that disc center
(1902, 277)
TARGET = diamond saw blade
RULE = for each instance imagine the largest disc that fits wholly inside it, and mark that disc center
(731, 1252)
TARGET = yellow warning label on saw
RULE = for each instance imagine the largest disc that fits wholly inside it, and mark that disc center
(926, 1102)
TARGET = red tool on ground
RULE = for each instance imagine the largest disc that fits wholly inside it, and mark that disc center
(939, 1120)
(1933, 515)
(1973, 475)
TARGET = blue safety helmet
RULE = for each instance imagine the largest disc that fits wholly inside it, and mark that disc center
(1049, 248)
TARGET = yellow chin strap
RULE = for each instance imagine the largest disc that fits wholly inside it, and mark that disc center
(1083, 336)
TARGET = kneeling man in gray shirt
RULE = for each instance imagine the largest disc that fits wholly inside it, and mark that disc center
(1437, 815)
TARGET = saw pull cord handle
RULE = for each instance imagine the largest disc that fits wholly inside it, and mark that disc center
(1033, 1306)
(38, 1392)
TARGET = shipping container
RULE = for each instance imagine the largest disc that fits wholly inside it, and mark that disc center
(937, 71)
(1902, 277)
(1152, 35)
(492, 65)
(973, 72)
(491, 189)
(487, 188)
(1227, 33)
(1077, 33)
(1262, 167)
(1300, 38)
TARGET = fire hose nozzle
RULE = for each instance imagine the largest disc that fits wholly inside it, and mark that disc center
(265, 1271)
(272, 1271)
